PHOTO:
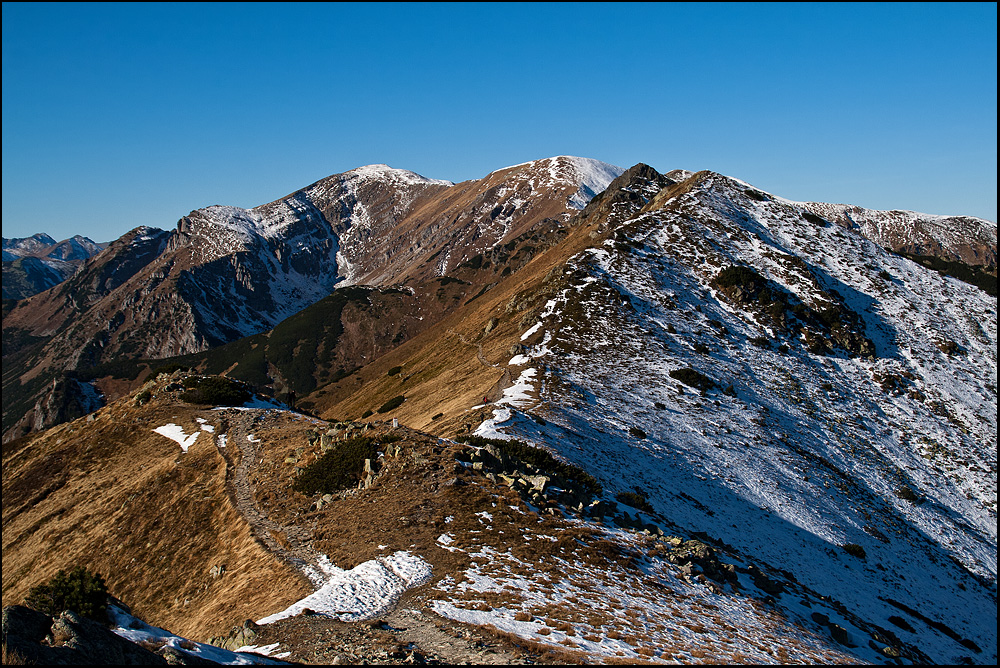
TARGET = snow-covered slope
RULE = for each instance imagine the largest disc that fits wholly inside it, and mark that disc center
(798, 445)
(962, 238)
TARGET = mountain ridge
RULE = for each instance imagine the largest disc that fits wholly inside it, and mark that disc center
(746, 380)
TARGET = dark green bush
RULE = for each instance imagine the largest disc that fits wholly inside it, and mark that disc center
(854, 550)
(215, 390)
(339, 468)
(395, 402)
(637, 433)
(694, 379)
(739, 276)
(635, 499)
(972, 274)
(540, 459)
(814, 219)
(394, 371)
(367, 414)
(907, 494)
(79, 590)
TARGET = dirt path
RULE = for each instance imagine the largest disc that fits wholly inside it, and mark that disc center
(422, 630)
(404, 633)
(496, 392)
(300, 551)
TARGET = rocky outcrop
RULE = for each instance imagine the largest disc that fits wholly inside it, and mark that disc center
(70, 640)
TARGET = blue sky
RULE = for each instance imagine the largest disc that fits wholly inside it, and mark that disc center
(122, 115)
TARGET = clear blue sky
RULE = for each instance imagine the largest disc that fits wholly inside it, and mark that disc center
(121, 115)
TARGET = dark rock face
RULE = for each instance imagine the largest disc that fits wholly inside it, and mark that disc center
(69, 640)
(698, 556)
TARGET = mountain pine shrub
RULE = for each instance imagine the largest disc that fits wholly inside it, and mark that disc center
(79, 590)
(635, 499)
(540, 459)
(339, 468)
(635, 432)
(215, 390)
(854, 550)
(395, 402)
(693, 378)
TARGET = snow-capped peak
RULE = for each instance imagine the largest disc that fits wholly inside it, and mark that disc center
(382, 171)
(589, 175)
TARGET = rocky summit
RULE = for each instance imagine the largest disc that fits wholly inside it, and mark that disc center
(567, 412)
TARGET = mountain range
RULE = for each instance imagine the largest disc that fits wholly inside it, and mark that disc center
(36, 263)
(787, 411)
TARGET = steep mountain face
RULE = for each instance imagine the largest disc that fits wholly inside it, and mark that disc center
(790, 389)
(227, 272)
(38, 262)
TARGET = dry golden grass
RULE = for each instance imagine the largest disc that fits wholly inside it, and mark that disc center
(125, 502)
(10, 657)
(442, 372)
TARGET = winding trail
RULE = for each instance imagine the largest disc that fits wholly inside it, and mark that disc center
(496, 392)
(418, 629)
(300, 551)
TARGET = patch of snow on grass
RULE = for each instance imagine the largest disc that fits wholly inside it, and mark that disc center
(176, 433)
(365, 591)
(534, 328)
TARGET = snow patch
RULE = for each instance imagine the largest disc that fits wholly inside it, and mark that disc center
(365, 591)
(176, 433)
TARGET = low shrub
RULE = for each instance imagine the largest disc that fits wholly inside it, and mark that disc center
(635, 499)
(694, 379)
(635, 432)
(215, 390)
(339, 468)
(395, 402)
(80, 590)
(854, 550)
(394, 371)
(814, 219)
(539, 458)
(739, 276)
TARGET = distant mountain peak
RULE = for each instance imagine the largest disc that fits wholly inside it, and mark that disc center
(382, 171)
